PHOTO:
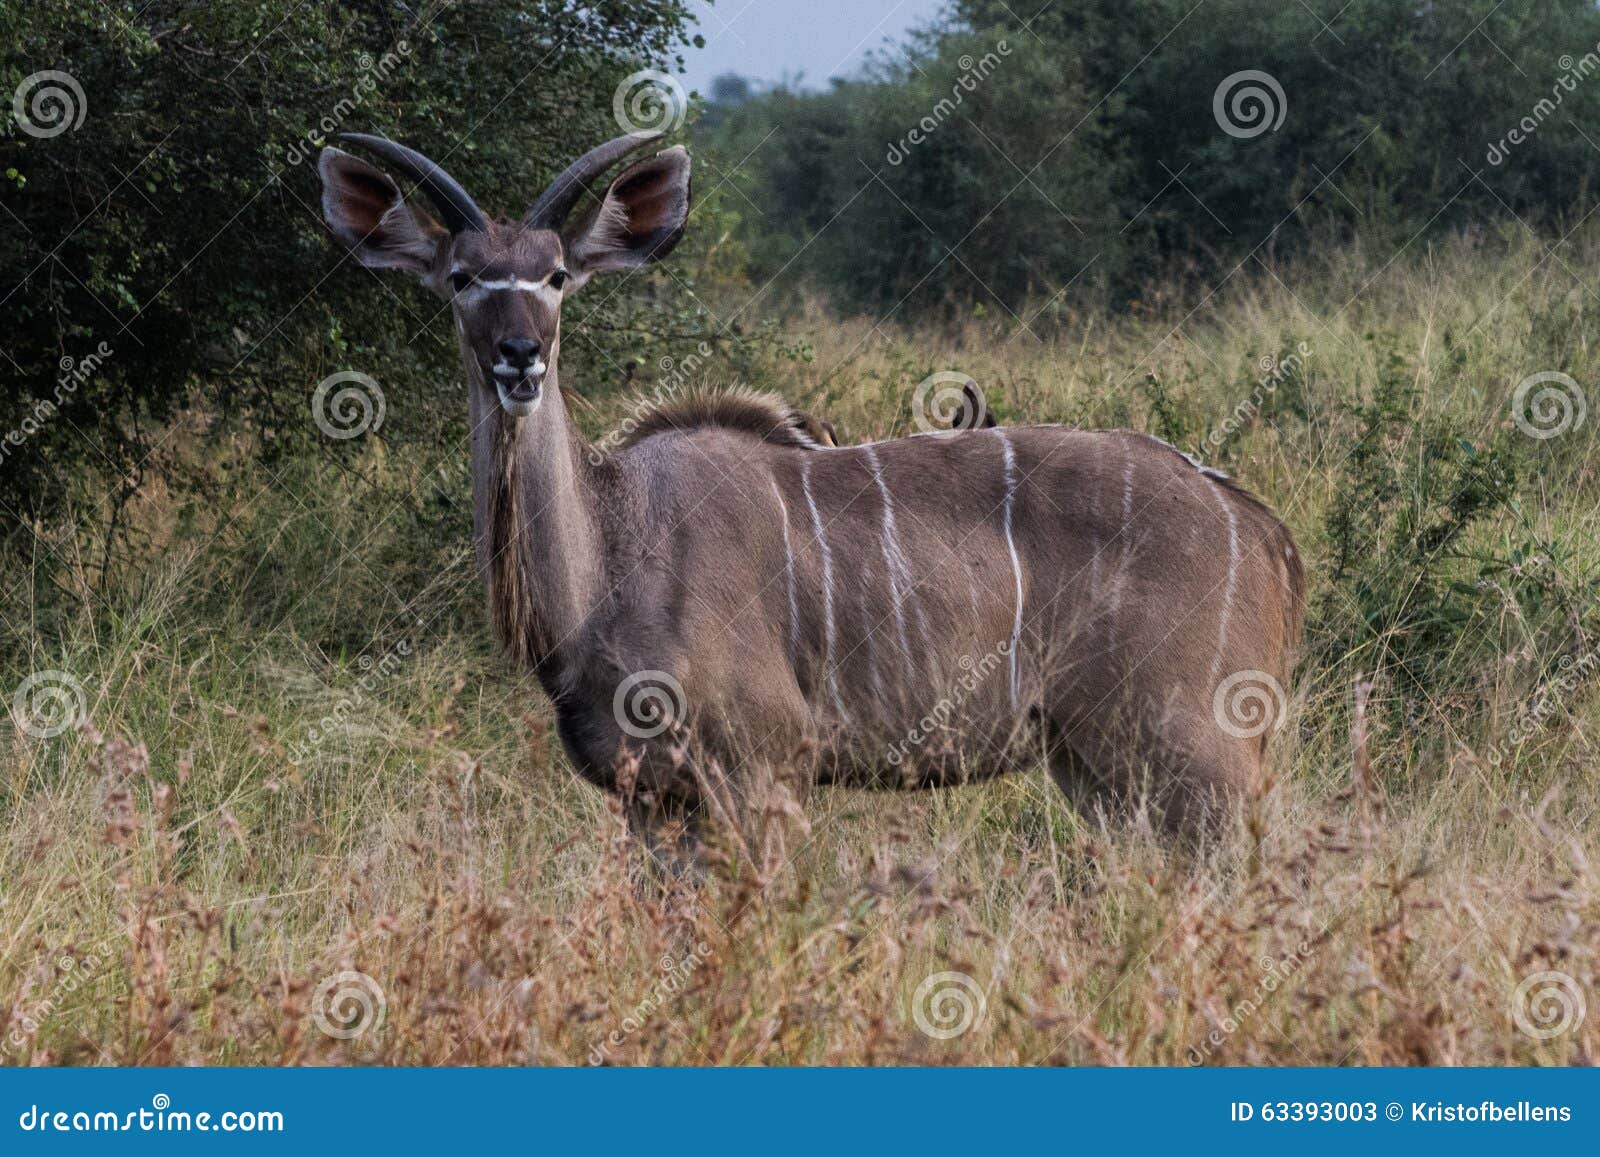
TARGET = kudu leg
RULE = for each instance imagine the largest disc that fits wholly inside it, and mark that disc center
(671, 831)
(1189, 774)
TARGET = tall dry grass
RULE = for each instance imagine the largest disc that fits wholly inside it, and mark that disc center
(308, 816)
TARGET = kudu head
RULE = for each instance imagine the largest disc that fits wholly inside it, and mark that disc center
(506, 280)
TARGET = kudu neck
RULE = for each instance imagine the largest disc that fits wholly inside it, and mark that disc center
(537, 525)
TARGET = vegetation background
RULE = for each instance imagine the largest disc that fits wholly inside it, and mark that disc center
(268, 794)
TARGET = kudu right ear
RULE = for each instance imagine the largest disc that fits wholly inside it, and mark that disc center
(366, 210)
(640, 219)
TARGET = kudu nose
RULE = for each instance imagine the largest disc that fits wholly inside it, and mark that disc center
(519, 351)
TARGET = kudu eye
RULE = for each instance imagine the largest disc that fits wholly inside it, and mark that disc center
(460, 280)
(558, 279)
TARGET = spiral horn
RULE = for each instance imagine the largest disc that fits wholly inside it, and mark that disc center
(553, 205)
(459, 212)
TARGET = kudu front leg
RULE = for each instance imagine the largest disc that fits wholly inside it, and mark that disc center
(671, 830)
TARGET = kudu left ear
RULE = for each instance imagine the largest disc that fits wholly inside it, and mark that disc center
(366, 211)
(640, 219)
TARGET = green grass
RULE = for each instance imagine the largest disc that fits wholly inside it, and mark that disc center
(302, 756)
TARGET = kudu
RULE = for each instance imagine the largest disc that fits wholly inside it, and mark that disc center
(723, 590)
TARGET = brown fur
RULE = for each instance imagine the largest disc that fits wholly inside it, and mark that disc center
(766, 416)
(904, 613)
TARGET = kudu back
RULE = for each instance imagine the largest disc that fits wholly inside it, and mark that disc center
(721, 591)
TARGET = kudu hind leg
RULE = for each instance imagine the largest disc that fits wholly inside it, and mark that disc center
(1189, 774)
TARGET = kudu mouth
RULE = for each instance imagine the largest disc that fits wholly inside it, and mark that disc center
(521, 388)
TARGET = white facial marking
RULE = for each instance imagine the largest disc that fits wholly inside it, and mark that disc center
(829, 628)
(1016, 563)
(788, 570)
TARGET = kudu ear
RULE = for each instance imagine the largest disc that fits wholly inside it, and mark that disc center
(639, 220)
(366, 210)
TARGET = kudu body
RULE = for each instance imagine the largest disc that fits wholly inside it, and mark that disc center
(722, 590)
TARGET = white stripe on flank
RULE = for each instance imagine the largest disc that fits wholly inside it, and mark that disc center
(901, 585)
(788, 570)
(1227, 589)
(1124, 536)
(1011, 545)
(829, 628)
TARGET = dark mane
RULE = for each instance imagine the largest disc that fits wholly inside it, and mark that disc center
(764, 416)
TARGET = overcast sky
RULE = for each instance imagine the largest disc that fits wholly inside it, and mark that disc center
(768, 39)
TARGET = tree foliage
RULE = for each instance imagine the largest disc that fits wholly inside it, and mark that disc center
(179, 222)
(1093, 156)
